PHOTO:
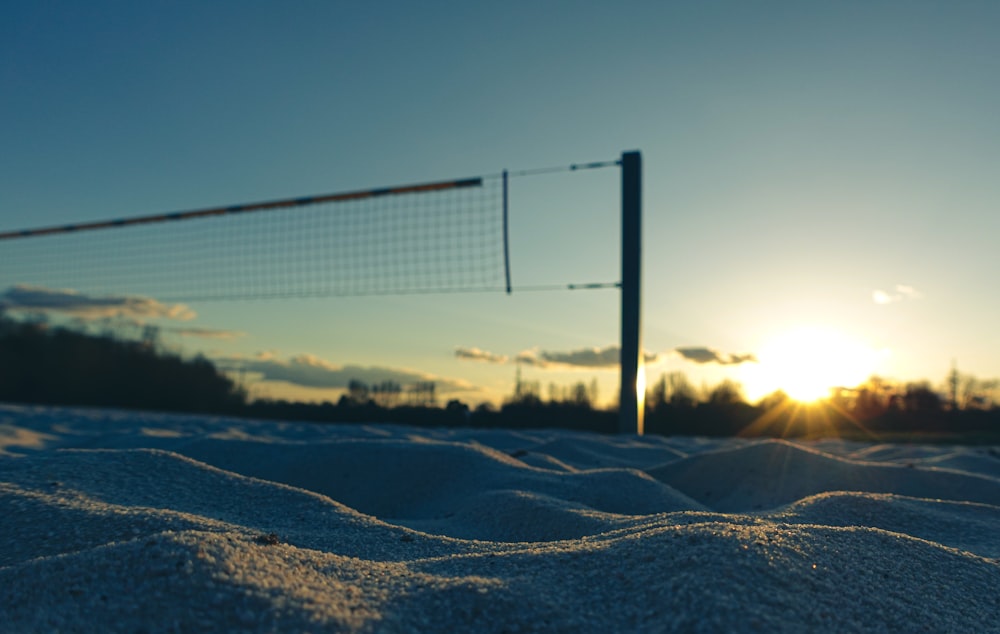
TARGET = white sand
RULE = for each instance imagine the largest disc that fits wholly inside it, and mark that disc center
(118, 521)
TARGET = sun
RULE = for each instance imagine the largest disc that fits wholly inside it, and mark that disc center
(807, 362)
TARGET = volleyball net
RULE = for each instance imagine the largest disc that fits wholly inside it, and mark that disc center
(439, 237)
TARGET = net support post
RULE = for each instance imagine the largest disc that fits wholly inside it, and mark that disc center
(633, 384)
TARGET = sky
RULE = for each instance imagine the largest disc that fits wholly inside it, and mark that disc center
(819, 178)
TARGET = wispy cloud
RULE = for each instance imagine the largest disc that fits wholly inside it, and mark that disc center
(475, 354)
(308, 370)
(899, 293)
(27, 298)
(584, 357)
(702, 355)
(529, 357)
(606, 357)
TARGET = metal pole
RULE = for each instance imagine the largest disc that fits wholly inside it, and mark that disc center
(633, 384)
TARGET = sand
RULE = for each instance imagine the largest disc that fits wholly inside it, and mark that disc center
(130, 522)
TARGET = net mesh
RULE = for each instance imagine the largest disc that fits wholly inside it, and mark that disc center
(444, 240)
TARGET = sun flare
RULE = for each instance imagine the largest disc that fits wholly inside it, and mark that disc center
(807, 362)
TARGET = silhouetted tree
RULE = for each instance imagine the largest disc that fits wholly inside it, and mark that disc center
(776, 400)
(357, 392)
(525, 392)
(919, 397)
(976, 393)
(422, 394)
(457, 412)
(682, 392)
(386, 393)
(579, 395)
(656, 396)
(727, 392)
(871, 398)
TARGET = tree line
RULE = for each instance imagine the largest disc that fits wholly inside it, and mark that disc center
(62, 366)
(876, 406)
(56, 365)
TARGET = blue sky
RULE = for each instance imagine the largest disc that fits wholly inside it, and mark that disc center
(823, 165)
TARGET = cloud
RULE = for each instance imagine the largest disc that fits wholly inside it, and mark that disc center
(475, 354)
(606, 357)
(23, 297)
(585, 357)
(308, 370)
(900, 292)
(208, 333)
(529, 357)
(702, 355)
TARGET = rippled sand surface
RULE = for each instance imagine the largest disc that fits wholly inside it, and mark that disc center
(123, 521)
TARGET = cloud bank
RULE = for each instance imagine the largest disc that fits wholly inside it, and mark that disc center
(702, 355)
(27, 298)
(609, 356)
(308, 370)
(606, 357)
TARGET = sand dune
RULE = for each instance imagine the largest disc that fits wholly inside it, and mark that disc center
(120, 521)
(770, 473)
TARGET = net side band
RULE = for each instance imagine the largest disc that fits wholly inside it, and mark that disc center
(233, 209)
